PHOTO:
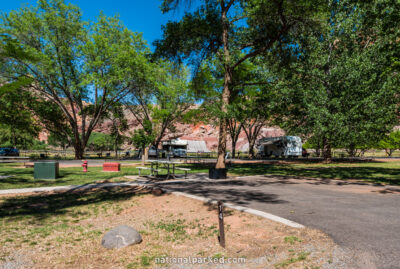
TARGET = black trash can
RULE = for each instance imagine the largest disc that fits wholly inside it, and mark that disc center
(217, 173)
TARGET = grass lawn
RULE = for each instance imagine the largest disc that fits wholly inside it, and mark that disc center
(23, 177)
(375, 172)
(64, 230)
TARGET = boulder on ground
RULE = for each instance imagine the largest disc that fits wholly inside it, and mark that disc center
(121, 236)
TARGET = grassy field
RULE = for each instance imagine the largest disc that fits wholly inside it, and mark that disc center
(374, 172)
(23, 177)
(64, 230)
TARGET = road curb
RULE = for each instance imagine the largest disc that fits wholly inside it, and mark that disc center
(240, 208)
(150, 184)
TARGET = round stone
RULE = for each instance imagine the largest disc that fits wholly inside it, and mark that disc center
(121, 236)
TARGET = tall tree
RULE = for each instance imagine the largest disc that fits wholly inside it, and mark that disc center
(82, 68)
(236, 32)
(18, 126)
(163, 101)
(142, 139)
(338, 91)
(118, 126)
(390, 142)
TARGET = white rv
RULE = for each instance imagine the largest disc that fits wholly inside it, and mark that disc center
(282, 146)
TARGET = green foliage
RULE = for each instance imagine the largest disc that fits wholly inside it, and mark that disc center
(119, 125)
(100, 142)
(164, 101)
(38, 145)
(199, 34)
(81, 69)
(233, 33)
(390, 142)
(336, 91)
(142, 138)
(58, 140)
(18, 128)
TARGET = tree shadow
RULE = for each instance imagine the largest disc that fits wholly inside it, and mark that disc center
(370, 174)
(239, 196)
(45, 205)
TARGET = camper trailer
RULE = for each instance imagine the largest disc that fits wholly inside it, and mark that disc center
(282, 146)
(179, 147)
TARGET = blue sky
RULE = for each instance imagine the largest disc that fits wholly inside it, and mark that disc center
(138, 15)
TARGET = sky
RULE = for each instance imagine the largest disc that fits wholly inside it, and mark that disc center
(138, 15)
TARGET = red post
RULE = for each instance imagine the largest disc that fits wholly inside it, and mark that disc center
(85, 166)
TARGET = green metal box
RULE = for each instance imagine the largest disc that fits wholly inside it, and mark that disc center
(45, 170)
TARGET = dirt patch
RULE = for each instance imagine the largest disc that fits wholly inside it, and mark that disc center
(64, 230)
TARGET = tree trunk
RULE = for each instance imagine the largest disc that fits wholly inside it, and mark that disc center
(233, 149)
(318, 151)
(146, 153)
(78, 151)
(352, 151)
(225, 92)
(251, 149)
(326, 151)
(221, 144)
(143, 155)
(116, 147)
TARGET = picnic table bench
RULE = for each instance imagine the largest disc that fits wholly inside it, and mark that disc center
(152, 170)
(183, 169)
(167, 166)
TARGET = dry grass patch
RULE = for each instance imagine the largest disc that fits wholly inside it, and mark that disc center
(64, 230)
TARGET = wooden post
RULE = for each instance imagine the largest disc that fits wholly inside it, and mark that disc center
(221, 237)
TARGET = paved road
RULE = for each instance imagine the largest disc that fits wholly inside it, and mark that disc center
(360, 217)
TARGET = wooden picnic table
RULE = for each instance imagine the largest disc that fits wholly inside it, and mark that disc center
(166, 165)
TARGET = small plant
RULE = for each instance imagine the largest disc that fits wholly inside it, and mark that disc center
(145, 260)
(300, 257)
(292, 239)
(177, 229)
(217, 256)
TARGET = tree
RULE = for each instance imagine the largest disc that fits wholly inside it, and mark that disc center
(142, 138)
(57, 140)
(235, 32)
(390, 142)
(336, 90)
(234, 127)
(119, 125)
(100, 142)
(163, 101)
(255, 116)
(81, 68)
(18, 127)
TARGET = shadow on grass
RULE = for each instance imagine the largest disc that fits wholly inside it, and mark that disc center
(50, 204)
(369, 174)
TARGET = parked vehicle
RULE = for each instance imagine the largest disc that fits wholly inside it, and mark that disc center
(283, 146)
(154, 152)
(179, 153)
(9, 152)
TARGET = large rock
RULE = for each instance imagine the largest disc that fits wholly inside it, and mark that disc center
(121, 236)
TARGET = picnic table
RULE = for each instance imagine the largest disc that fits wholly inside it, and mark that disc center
(170, 166)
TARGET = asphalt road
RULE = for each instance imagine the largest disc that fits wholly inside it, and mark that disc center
(362, 218)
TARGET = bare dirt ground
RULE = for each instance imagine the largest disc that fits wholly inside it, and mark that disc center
(64, 230)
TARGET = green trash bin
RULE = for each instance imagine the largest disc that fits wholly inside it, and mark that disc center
(45, 170)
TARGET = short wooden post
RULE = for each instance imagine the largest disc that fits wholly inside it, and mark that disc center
(221, 237)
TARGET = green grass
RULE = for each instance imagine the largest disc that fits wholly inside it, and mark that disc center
(23, 177)
(300, 257)
(375, 172)
(292, 239)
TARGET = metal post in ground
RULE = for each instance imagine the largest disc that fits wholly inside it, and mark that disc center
(221, 237)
